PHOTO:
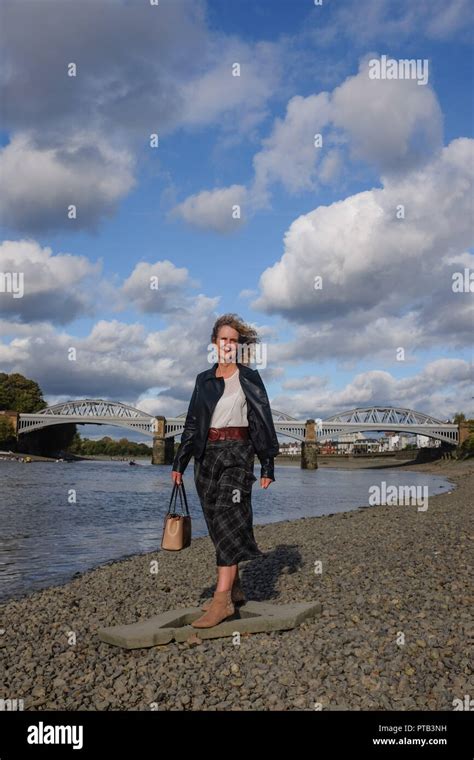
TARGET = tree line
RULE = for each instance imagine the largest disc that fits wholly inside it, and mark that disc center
(107, 446)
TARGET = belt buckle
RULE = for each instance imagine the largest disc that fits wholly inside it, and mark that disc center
(213, 434)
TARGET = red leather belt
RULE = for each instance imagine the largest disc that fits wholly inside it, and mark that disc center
(225, 433)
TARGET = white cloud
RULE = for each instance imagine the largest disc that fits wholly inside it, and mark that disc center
(156, 287)
(447, 19)
(140, 69)
(331, 166)
(125, 362)
(214, 209)
(391, 125)
(217, 94)
(58, 287)
(116, 360)
(289, 154)
(39, 184)
(442, 388)
(376, 266)
(393, 21)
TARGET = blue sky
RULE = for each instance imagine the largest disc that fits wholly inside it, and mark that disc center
(248, 140)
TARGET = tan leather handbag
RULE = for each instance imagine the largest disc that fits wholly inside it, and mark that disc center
(177, 527)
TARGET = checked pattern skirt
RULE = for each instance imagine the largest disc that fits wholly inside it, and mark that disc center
(224, 479)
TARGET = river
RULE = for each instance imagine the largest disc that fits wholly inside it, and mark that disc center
(46, 537)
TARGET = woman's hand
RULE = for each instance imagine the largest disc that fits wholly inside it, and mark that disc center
(176, 477)
(265, 482)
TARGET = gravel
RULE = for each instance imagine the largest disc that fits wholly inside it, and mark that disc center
(394, 632)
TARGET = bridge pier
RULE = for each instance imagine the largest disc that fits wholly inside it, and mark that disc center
(309, 457)
(465, 428)
(163, 448)
(14, 418)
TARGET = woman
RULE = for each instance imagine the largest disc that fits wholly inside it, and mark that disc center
(229, 420)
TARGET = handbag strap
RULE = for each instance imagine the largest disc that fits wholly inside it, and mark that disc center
(182, 495)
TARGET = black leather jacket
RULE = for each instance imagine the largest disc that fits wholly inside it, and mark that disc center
(207, 392)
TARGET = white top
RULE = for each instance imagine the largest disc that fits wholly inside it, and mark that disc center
(231, 409)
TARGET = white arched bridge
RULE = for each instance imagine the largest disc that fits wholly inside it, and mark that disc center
(366, 419)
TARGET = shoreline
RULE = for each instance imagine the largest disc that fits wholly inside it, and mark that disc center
(425, 466)
(15, 456)
(342, 462)
(386, 570)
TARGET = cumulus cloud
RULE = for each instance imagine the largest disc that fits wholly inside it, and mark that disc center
(137, 66)
(37, 285)
(391, 125)
(214, 209)
(234, 77)
(140, 68)
(129, 57)
(376, 265)
(40, 184)
(155, 371)
(58, 287)
(115, 359)
(110, 362)
(156, 288)
(442, 388)
(289, 155)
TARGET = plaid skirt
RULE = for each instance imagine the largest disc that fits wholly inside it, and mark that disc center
(224, 479)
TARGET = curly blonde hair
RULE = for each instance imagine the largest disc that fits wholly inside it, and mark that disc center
(247, 335)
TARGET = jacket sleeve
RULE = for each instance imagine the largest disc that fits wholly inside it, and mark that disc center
(267, 465)
(267, 462)
(185, 448)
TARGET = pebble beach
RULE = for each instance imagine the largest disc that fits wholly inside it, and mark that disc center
(395, 630)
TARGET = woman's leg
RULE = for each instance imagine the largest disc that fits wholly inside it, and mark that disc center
(226, 577)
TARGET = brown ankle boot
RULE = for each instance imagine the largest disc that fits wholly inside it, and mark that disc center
(237, 596)
(221, 607)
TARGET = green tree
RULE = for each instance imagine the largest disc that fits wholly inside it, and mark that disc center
(107, 446)
(20, 394)
(7, 433)
(76, 444)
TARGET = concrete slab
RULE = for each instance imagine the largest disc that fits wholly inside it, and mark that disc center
(175, 625)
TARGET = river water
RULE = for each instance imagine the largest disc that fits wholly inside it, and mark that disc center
(119, 510)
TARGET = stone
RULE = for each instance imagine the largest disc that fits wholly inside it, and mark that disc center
(175, 625)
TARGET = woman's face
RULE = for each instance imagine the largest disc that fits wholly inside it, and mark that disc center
(227, 342)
